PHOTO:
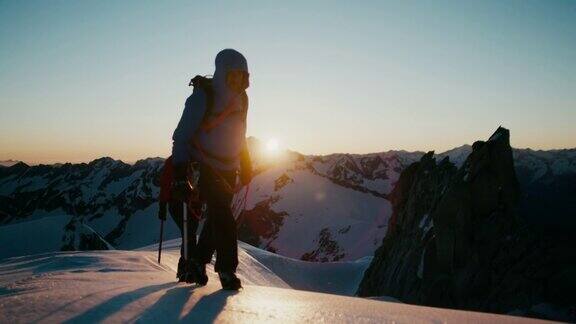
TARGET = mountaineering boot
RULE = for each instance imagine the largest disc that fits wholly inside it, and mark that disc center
(189, 274)
(189, 277)
(181, 270)
(229, 281)
(186, 271)
(199, 270)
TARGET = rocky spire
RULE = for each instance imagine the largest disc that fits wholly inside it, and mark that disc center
(456, 240)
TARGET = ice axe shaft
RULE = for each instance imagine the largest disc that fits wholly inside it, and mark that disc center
(185, 231)
(161, 239)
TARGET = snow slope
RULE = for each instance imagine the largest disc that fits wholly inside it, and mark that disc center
(261, 267)
(47, 235)
(332, 222)
(340, 278)
(24, 238)
(129, 286)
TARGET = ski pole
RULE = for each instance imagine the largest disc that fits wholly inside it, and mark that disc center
(161, 234)
(185, 232)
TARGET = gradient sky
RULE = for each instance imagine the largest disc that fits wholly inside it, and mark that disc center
(85, 79)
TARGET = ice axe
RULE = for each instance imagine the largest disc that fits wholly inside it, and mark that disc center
(185, 240)
(161, 238)
(185, 231)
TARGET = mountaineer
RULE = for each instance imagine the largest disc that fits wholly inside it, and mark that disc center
(211, 135)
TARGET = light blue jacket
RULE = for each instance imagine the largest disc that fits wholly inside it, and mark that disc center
(225, 141)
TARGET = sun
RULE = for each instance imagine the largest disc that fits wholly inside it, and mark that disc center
(272, 145)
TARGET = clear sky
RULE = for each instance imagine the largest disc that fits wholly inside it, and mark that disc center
(85, 79)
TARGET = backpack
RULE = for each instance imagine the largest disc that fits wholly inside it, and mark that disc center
(210, 119)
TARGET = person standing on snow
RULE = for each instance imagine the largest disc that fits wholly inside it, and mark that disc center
(212, 132)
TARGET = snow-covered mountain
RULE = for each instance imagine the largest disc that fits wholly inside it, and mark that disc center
(335, 209)
(129, 286)
(335, 205)
(316, 208)
(322, 208)
(114, 199)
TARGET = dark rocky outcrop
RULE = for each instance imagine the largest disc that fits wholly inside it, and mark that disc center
(282, 181)
(327, 250)
(456, 240)
(261, 223)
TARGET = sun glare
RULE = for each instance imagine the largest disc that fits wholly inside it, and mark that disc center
(272, 145)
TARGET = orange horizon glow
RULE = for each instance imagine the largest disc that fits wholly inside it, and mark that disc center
(34, 155)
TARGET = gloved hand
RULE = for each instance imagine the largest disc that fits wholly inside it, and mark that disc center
(181, 187)
(181, 191)
(162, 211)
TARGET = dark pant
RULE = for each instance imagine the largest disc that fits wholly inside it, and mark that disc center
(219, 231)
(176, 211)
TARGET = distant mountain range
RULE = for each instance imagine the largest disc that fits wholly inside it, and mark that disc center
(317, 208)
(8, 163)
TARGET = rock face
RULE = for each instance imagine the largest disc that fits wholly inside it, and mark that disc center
(456, 240)
(261, 223)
